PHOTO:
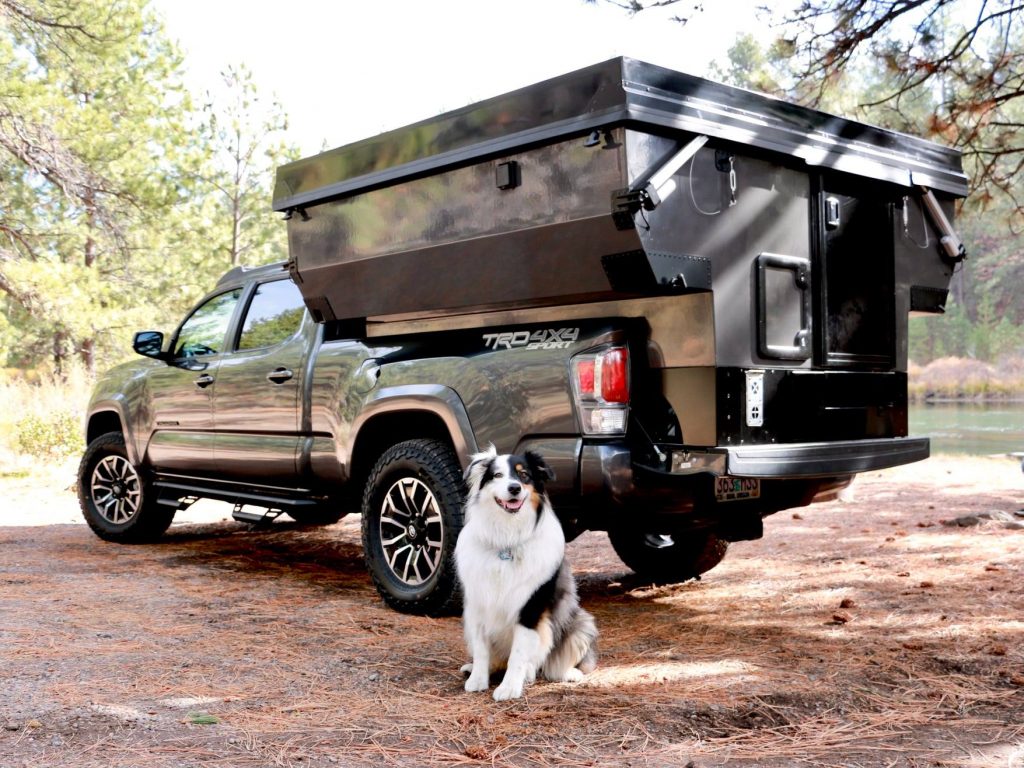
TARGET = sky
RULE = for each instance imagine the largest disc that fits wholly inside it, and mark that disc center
(349, 69)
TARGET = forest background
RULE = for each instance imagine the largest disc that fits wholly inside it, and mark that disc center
(124, 195)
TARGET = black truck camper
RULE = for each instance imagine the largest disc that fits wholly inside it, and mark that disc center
(772, 253)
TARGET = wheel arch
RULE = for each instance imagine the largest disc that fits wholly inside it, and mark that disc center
(109, 417)
(396, 414)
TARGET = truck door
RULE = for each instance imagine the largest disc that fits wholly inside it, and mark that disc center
(258, 393)
(181, 393)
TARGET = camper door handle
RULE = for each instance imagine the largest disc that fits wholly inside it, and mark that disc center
(204, 381)
(279, 375)
(832, 220)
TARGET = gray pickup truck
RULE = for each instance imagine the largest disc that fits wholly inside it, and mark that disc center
(691, 300)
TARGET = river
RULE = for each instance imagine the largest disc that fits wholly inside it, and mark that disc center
(978, 429)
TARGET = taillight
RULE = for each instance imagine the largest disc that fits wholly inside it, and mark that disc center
(614, 375)
(600, 382)
(585, 377)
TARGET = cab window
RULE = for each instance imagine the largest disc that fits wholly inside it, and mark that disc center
(204, 331)
(274, 315)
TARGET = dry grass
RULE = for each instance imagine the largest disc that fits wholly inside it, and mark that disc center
(862, 633)
(961, 378)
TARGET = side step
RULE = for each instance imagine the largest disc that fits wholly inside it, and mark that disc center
(182, 492)
(263, 517)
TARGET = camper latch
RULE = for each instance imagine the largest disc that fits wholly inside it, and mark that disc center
(296, 209)
(648, 192)
(625, 205)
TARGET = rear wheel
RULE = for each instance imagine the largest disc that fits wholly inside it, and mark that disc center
(116, 500)
(668, 558)
(412, 515)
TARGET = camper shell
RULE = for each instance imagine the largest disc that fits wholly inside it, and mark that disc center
(773, 251)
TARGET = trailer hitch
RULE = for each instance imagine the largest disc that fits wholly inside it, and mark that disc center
(651, 190)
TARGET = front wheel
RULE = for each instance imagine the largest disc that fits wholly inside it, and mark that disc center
(116, 500)
(668, 558)
(412, 515)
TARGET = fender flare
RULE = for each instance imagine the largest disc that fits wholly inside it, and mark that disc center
(439, 400)
(116, 405)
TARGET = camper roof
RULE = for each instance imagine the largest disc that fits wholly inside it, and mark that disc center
(618, 92)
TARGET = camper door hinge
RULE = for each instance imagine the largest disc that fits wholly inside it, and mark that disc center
(652, 188)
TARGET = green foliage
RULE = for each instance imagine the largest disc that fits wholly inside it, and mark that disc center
(751, 67)
(50, 435)
(121, 199)
(202, 718)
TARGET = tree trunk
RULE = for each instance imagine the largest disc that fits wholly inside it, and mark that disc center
(60, 354)
(88, 355)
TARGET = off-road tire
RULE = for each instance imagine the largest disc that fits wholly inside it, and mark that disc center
(116, 499)
(667, 559)
(423, 476)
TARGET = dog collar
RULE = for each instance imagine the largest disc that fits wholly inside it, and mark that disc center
(505, 554)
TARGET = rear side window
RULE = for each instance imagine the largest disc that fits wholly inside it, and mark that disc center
(203, 333)
(274, 315)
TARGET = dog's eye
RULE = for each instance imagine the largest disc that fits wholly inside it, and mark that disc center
(499, 474)
(524, 476)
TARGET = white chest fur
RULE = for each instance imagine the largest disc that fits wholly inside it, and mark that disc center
(502, 563)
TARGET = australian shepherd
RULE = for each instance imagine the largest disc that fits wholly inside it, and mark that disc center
(520, 610)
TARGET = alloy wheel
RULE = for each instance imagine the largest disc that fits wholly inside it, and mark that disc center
(411, 531)
(116, 489)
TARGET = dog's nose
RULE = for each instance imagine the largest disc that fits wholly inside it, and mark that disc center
(514, 488)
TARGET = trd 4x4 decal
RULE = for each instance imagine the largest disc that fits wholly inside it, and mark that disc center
(549, 338)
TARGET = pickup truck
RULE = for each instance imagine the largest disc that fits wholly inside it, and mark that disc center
(691, 300)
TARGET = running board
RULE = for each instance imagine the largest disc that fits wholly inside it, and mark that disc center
(181, 493)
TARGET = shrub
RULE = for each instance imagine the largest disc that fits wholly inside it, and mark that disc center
(53, 435)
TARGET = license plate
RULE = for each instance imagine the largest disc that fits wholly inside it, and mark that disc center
(737, 488)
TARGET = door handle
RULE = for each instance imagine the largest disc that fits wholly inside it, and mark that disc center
(204, 381)
(279, 375)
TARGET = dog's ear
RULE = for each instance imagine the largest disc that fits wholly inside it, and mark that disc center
(478, 463)
(538, 467)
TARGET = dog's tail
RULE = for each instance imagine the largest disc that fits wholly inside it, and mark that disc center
(577, 649)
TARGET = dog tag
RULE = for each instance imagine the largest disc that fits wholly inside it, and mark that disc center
(505, 554)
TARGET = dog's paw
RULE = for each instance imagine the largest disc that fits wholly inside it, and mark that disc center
(477, 682)
(573, 675)
(507, 691)
(466, 669)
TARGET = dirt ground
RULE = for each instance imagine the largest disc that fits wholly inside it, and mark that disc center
(862, 632)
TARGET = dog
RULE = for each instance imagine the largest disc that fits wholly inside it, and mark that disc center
(520, 608)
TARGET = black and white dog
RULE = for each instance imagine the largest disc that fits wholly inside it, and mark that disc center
(520, 610)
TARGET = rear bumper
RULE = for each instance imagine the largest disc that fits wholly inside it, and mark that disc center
(796, 472)
(844, 457)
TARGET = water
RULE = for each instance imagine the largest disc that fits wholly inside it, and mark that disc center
(979, 429)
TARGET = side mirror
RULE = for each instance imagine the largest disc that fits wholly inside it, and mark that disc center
(149, 344)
